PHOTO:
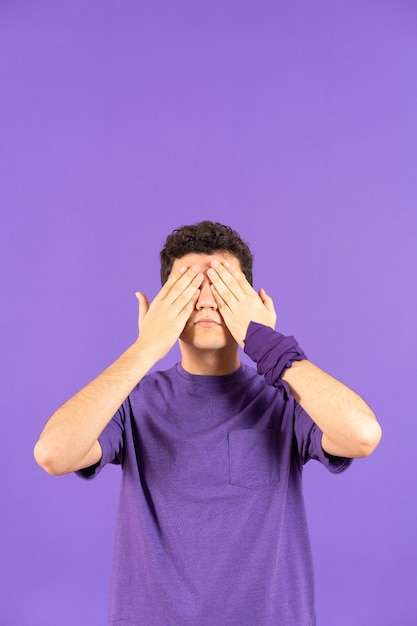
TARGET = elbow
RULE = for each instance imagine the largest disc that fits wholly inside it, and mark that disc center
(369, 438)
(357, 441)
(46, 460)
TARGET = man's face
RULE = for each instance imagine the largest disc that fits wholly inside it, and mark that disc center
(205, 329)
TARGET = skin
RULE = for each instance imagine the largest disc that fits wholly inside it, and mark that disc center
(210, 339)
(206, 304)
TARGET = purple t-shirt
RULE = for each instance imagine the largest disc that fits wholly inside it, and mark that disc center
(211, 527)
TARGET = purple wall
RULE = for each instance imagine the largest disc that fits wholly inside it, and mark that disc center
(295, 122)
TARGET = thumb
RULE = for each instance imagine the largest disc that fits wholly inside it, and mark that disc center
(143, 305)
(267, 300)
(269, 305)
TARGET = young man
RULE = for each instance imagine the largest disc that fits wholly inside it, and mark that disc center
(211, 528)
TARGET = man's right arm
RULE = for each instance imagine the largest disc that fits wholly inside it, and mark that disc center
(69, 441)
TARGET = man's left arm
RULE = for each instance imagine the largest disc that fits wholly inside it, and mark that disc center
(349, 426)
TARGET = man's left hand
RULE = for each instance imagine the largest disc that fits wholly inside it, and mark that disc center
(237, 301)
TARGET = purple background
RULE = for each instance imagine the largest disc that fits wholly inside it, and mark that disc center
(294, 122)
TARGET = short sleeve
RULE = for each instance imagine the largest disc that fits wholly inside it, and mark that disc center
(308, 436)
(111, 441)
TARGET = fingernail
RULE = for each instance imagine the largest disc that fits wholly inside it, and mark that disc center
(214, 264)
(182, 270)
(226, 264)
(211, 272)
(196, 268)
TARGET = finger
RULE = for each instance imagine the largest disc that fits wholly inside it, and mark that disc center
(222, 305)
(143, 305)
(225, 285)
(188, 282)
(233, 278)
(238, 275)
(173, 279)
(267, 300)
(219, 274)
(182, 293)
(190, 305)
(222, 291)
(269, 305)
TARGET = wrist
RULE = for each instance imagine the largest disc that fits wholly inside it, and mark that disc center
(143, 355)
(272, 352)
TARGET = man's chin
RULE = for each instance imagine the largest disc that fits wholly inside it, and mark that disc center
(214, 339)
(204, 345)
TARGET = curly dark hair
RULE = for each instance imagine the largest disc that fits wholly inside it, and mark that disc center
(206, 238)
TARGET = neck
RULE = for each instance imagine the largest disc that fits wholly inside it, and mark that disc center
(209, 362)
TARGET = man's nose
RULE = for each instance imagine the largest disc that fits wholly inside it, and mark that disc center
(206, 299)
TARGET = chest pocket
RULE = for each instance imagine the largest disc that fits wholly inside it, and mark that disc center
(253, 458)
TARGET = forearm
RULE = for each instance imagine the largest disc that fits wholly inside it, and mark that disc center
(349, 426)
(69, 439)
(71, 433)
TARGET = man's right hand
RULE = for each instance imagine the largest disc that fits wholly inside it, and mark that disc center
(162, 322)
(69, 440)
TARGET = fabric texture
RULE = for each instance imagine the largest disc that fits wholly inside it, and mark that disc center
(211, 527)
(272, 352)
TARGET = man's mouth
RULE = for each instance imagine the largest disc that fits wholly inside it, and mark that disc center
(206, 322)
